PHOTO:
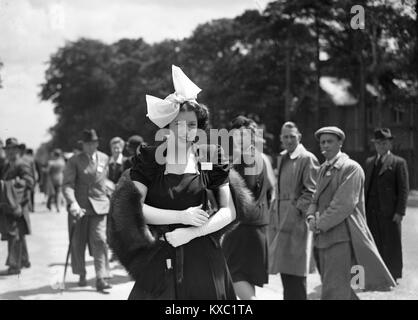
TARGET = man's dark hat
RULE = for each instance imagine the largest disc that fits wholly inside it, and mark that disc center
(12, 143)
(57, 152)
(89, 135)
(382, 134)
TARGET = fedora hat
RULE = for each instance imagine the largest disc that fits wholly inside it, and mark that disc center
(382, 134)
(89, 135)
(11, 143)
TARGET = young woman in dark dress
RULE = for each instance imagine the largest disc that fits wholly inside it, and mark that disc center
(246, 248)
(173, 192)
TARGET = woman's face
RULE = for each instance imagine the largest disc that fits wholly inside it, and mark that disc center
(184, 126)
(243, 139)
(116, 149)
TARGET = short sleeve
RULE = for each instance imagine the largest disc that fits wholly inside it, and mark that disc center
(219, 174)
(144, 166)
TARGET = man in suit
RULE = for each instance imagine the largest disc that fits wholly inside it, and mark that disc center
(298, 170)
(117, 159)
(84, 189)
(17, 174)
(339, 194)
(386, 190)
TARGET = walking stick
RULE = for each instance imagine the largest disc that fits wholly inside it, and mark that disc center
(309, 253)
(72, 229)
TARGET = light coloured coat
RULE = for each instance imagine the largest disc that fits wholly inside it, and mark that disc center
(85, 182)
(339, 200)
(288, 248)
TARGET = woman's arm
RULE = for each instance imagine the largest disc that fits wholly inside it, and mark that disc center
(224, 216)
(191, 216)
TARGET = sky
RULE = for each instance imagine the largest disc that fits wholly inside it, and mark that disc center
(32, 30)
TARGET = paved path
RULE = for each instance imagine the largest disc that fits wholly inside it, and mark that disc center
(48, 245)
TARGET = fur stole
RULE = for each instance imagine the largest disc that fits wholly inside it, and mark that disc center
(135, 243)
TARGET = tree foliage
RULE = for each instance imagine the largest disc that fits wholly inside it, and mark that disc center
(264, 64)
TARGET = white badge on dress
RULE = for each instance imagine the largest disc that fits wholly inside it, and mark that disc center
(206, 165)
(328, 173)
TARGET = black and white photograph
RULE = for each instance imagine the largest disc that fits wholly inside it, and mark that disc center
(224, 151)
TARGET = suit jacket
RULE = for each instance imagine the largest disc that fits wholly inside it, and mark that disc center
(288, 238)
(393, 184)
(22, 170)
(85, 182)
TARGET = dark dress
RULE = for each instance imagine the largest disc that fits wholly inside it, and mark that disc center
(246, 247)
(198, 268)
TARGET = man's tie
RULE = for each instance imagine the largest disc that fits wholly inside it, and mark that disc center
(327, 167)
(379, 161)
(93, 160)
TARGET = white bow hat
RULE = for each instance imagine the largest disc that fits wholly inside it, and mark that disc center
(162, 112)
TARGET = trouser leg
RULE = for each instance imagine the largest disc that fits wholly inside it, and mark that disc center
(98, 242)
(14, 257)
(79, 241)
(336, 262)
(294, 287)
(25, 252)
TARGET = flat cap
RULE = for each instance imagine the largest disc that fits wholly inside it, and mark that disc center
(332, 130)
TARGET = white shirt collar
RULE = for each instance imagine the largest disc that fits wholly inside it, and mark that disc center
(331, 161)
(296, 153)
(383, 157)
(92, 157)
(119, 160)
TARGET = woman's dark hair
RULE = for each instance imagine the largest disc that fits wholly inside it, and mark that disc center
(201, 111)
(242, 121)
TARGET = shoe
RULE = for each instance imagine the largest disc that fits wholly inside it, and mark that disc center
(102, 285)
(108, 277)
(82, 282)
(26, 265)
(10, 271)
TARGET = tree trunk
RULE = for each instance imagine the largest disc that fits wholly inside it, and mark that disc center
(375, 75)
(318, 76)
(362, 102)
(287, 105)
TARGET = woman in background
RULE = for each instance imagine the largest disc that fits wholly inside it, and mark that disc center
(246, 247)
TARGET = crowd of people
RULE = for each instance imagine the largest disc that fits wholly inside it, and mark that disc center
(194, 222)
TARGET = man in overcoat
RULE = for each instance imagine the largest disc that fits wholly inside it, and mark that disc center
(17, 183)
(337, 217)
(288, 254)
(386, 190)
(84, 189)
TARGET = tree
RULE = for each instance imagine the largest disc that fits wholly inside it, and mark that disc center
(263, 64)
(79, 83)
